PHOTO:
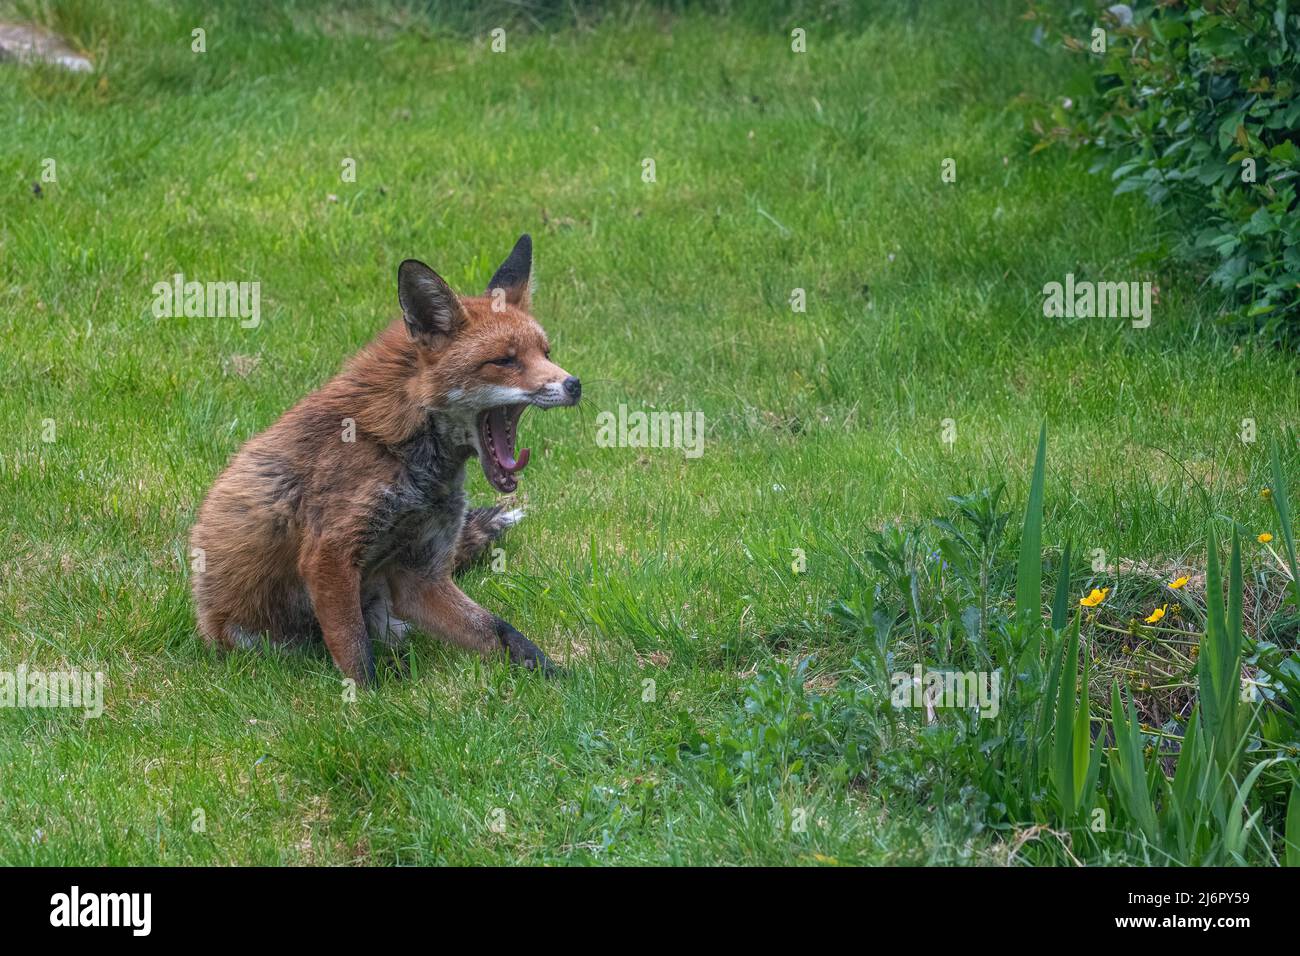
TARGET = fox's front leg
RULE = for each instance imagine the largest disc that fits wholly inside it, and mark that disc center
(444, 610)
(334, 584)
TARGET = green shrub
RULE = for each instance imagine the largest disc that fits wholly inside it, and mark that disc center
(1194, 105)
(1221, 786)
(783, 734)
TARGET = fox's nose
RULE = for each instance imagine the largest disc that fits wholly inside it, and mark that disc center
(573, 387)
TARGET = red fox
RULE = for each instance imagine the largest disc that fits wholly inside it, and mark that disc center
(348, 516)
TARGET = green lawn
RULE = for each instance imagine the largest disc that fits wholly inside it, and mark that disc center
(774, 171)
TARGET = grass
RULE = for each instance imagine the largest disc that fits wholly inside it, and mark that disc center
(774, 171)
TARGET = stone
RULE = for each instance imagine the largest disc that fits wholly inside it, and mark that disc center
(31, 44)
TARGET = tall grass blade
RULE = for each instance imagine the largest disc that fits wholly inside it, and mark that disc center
(1283, 505)
(1237, 832)
(1029, 572)
(1128, 768)
(1061, 600)
(1219, 667)
(1191, 779)
(1063, 757)
(1292, 855)
(1046, 717)
(1082, 743)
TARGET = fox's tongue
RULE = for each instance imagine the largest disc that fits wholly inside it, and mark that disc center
(503, 421)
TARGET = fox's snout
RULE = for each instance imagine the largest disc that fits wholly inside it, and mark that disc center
(566, 390)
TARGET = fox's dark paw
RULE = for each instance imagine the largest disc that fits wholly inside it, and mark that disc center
(524, 652)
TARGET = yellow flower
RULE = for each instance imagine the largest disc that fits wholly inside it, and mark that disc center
(1266, 494)
(1176, 584)
(1157, 614)
(1095, 598)
(1264, 538)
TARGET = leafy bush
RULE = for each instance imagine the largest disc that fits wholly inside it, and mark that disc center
(1194, 104)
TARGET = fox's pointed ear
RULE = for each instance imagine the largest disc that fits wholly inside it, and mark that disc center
(429, 306)
(514, 277)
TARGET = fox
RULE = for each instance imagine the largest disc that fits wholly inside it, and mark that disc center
(347, 518)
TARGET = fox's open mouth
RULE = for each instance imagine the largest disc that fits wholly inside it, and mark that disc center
(496, 439)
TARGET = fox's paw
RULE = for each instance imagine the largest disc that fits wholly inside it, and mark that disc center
(489, 523)
(482, 527)
(522, 651)
(507, 519)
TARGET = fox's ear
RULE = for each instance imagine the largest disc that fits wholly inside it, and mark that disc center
(429, 306)
(514, 277)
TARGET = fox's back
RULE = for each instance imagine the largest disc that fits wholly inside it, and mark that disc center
(321, 476)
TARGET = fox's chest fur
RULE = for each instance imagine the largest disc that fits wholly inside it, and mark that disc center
(419, 513)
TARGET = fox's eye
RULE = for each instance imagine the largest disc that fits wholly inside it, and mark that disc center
(505, 360)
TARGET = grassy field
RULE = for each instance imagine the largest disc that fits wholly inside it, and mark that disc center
(774, 171)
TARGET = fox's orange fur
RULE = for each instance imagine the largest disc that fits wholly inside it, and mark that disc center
(347, 517)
